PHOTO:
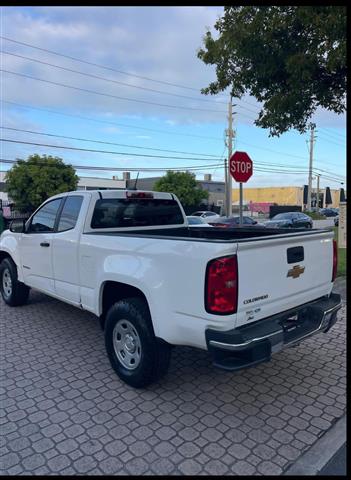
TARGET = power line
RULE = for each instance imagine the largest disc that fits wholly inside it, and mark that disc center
(163, 169)
(332, 132)
(99, 77)
(113, 69)
(106, 143)
(331, 173)
(326, 139)
(133, 169)
(99, 65)
(146, 169)
(55, 112)
(105, 151)
(142, 128)
(268, 165)
(123, 153)
(110, 95)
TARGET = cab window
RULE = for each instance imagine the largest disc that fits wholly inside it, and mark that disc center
(44, 220)
(70, 213)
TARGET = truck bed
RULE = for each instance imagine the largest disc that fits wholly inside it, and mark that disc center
(237, 234)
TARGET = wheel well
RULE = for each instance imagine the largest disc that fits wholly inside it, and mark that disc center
(4, 255)
(115, 291)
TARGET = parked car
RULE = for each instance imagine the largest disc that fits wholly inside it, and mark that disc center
(197, 221)
(205, 214)
(130, 258)
(336, 221)
(290, 220)
(228, 222)
(329, 212)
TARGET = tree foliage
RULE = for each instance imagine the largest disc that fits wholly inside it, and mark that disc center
(182, 184)
(30, 182)
(290, 58)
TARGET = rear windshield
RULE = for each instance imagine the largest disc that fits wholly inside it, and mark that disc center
(135, 212)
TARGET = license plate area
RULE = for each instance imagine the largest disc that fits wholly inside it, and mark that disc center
(297, 324)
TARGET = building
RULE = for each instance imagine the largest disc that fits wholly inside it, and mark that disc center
(3, 193)
(283, 195)
(96, 183)
(215, 188)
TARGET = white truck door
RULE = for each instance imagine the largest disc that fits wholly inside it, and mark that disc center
(65, 249)
(36, 247)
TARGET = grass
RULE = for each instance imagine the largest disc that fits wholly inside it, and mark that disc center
(315, 215)
(341, 257)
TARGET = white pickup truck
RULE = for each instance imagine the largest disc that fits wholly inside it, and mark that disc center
(131, 258)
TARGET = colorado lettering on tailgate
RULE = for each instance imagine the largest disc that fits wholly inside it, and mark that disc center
(255, 299)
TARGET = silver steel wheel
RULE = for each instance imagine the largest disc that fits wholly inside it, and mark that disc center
(6, 283)
(126, 344)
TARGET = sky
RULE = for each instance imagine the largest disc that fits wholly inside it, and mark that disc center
(145, 101)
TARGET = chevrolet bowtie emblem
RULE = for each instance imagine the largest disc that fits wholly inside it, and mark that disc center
(296, 271)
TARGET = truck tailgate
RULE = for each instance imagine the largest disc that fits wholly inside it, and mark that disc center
(280, 273)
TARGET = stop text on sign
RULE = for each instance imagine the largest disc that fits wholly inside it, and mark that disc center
(240, 167)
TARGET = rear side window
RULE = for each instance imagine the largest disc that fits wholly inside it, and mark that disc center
(135, 212)
(70, 212)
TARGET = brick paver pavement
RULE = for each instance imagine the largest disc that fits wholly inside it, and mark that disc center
(64, 411)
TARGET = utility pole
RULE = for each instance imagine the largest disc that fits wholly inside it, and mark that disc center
(318, 176)
(230, 135)
(225, 186)
(312, 140)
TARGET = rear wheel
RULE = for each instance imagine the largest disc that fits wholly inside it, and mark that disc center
(13, 292)
(136, 355)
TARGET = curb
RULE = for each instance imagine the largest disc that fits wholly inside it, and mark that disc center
(317, 457)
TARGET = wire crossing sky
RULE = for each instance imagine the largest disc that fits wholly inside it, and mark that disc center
(129, 77)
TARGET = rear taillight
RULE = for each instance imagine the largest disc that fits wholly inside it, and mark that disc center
(221, 286)
(335, 260)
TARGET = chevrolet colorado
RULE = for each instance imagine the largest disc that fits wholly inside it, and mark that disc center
(131, 258)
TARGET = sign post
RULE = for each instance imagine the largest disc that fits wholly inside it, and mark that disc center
(342, 225)
(241, 169)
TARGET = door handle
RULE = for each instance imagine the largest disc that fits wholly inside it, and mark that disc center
(45, 244)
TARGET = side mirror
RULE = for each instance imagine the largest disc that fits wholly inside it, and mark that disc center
(255, 222)
(18, 226)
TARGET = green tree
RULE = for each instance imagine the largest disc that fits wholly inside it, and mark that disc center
(182, 184)
(30, 182)
(290, 58)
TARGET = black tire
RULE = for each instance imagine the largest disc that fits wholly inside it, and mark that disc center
(16, 294)
(154, 354)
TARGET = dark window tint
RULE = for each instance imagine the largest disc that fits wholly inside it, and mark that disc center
(44, 219)
(195, 221)
(111, 213)
(70, 212)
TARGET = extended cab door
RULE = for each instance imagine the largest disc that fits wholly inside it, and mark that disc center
(36, 247)
(66, 247)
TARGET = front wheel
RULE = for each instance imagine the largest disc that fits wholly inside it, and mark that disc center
(136, 355)
(13, 292)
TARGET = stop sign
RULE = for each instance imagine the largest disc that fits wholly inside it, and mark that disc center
(241, 166)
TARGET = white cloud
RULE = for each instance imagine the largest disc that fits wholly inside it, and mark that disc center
(113, 130)
(155, 42)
